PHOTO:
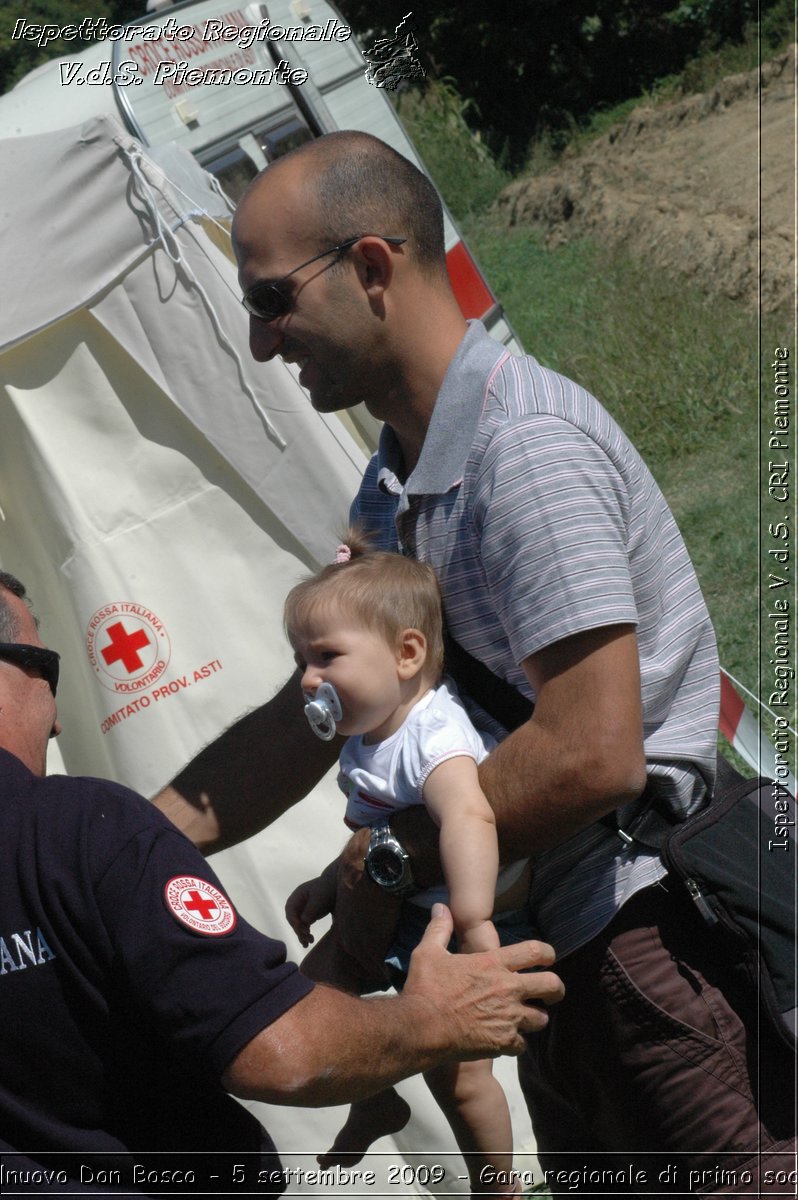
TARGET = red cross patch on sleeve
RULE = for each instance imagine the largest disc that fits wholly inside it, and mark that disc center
(199, 905)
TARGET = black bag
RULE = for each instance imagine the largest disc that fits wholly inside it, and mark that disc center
(739, 868)
(734, 859)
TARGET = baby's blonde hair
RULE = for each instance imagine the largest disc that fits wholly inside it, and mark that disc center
(386, 593)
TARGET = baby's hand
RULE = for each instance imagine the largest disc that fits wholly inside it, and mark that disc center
(307, 904)
(478, 936)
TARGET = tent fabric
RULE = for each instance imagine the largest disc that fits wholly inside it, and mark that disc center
(64, 238)
(159, 493)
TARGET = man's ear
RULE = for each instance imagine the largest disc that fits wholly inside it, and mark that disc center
(375, 265)
(411, 653)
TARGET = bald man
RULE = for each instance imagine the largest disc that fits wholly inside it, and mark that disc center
(563, 573)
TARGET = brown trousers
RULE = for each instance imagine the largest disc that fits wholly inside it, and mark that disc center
(654, 1075)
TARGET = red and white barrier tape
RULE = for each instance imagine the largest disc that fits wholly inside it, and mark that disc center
(766, 753)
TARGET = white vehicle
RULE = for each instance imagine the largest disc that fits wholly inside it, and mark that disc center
(235, 86)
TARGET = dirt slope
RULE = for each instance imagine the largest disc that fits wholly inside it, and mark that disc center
(680, 185)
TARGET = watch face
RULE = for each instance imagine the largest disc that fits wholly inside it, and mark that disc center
(385, 866)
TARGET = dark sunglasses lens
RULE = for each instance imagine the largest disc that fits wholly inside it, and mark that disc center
(267, 302)
(50, 671)
(35, 658)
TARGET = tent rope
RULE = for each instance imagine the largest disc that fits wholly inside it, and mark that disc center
(165, 236)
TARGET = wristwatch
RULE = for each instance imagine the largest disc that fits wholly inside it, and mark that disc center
(388, 863)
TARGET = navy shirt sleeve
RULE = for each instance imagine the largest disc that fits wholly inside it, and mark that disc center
(208, 979)
(127, 980)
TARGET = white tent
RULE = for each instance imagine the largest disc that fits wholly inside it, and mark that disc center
(159, 493)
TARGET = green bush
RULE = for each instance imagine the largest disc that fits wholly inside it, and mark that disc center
(464, 170)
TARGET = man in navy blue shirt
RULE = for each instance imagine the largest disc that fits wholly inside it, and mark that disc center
(133, 997)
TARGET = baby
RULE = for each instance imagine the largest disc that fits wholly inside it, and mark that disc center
(367, 636)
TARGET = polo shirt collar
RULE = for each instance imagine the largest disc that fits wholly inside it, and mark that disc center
(453, 424)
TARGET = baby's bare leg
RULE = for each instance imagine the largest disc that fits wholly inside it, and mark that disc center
(474, 1104)
(370, 1119)
(328, 962)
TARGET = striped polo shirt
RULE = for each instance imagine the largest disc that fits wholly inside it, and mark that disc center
(542, 521)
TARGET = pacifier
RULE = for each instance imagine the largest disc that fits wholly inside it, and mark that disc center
(323, 710)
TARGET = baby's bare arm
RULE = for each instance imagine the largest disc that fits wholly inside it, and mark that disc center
(468, 848)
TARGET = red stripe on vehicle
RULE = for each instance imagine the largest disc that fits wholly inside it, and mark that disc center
(731, 708)
(473, 294)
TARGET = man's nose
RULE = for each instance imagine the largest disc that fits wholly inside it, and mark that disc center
(265, 339)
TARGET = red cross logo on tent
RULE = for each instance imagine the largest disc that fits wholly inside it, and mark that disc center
(124, 647)
(128, 646)
(199, 905)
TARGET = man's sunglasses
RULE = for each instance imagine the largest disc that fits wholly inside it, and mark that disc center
(34, 658)
(268, 301)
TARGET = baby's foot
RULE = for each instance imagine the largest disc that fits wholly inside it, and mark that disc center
(368, 1120)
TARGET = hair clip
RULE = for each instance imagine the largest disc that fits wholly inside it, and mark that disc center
(342, 553)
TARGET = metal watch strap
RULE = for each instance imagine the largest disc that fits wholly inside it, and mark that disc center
(382, 835)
